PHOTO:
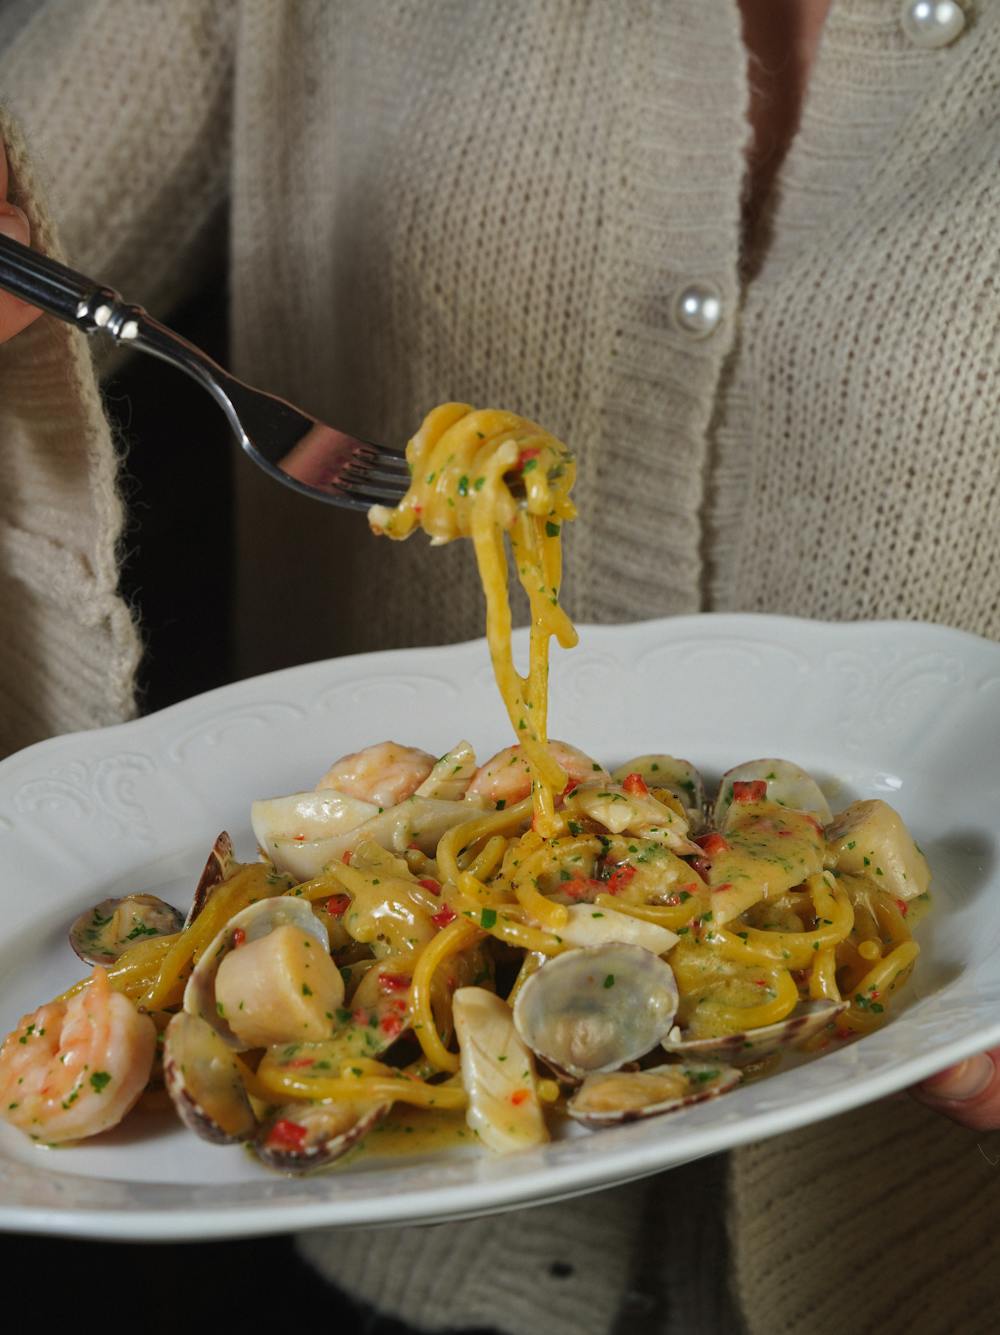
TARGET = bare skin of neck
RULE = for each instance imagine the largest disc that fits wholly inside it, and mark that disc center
(781, 37)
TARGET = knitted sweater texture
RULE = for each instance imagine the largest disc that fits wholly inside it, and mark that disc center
(500, 202)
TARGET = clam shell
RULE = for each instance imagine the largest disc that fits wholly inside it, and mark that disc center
(331, 1130)
(204, 1083)
(787, 783)
(596, 1008)
(256, 920)
(217, 868)
(106, 931)
(679, 777)
(637, 1093)
(807, 1019)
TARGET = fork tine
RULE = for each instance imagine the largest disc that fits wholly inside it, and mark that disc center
(377, 459)
(361, 486)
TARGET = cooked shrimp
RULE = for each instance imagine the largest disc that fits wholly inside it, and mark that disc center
(74, 1068)
(506, 778)
(385, 773)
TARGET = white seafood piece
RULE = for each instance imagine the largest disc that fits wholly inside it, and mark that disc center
(384, 773)
(284, 1004)
(679, 777)
(620, 812)
(102, 933)
(302, 1137)
(418, 820)
(498, 1072)
(588, 925)
(217, 868)
(451, 776)
(204, 1082)
(787, 784)
(294, 831)
(626, 1096)
(869, 839)
(750, 1045)
(596, 1008)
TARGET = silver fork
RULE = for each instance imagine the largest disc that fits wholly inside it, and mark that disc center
(296, 449)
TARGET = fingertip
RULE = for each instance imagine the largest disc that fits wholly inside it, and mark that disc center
(968, 1093)
(15, 315)
(14, 224)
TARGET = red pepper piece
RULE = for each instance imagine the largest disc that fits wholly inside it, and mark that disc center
(287, 1135)
(239, 936)
(713, 844)
(532, 452)
(752, 790)
(572, 783)
(346, 857)
(620, 878)
(430, 885)
(391, 1025)
(636, 785)
(581, 886)
(394, 982)
(903, 907)
(444, 916)
(337, 905)
(518, 1097)
(299, 1062)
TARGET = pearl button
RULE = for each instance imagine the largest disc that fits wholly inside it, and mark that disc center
(698, 309)
(932, 23)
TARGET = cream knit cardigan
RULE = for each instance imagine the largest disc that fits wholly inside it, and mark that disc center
(498, 200)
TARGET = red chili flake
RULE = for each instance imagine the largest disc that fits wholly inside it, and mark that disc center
(635, 784)
(399, 1005)
(444, 916)
(391, 1025)
(337, 905)
(620, 877)
(726, 885)
(531, 453)
(299, 1062)
(785, 834)
(903, 907)
(299, 838)
(239, 936)
(430, 885)
(518, 1097)
(753, 790)
(418, 509)
(394, 982)
(286, 1135)
(874, 994)
(572, 783)
(713, 844)
(346, 857)
(581, 886)
(415, 847)
(760, 982)
(359, 1015)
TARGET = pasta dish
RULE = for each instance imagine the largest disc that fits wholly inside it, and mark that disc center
(531, 939)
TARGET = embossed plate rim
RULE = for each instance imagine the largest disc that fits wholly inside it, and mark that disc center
(934, 1032)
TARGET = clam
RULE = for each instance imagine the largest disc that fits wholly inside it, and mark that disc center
(625, 1096)
(106, 931)
(303, 1136)
(451, 775)
(217, 868)
(267, 977)
(203, 1081)
(596, 1008)
(787, 784)
(750, 1045)
(679, 777)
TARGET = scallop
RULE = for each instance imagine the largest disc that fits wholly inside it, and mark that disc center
(808, 1019)
(626, 1096)
(787, 784)
(103, 933)
(217, 869)
(246, 927)
(302, 1137)
(596, 1008)
(203, 1081)
(679, 777)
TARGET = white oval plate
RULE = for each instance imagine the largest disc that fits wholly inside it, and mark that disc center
(907, 712)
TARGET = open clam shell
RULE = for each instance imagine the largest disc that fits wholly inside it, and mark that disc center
(254, 922)
(217, 868)
(596, 1008)
(106, 931)
(787, 784)
(626, 1096)
(204, 1082)
(679, 777)
(304, 1136)
(808, 1019)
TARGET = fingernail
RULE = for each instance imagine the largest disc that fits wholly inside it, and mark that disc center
(14, 224)
(965, 1081)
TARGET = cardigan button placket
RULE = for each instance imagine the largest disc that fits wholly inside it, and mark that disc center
(932, 23)
(697, 309)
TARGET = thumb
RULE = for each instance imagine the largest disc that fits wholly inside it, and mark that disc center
(968, 1093)
(14, 314)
